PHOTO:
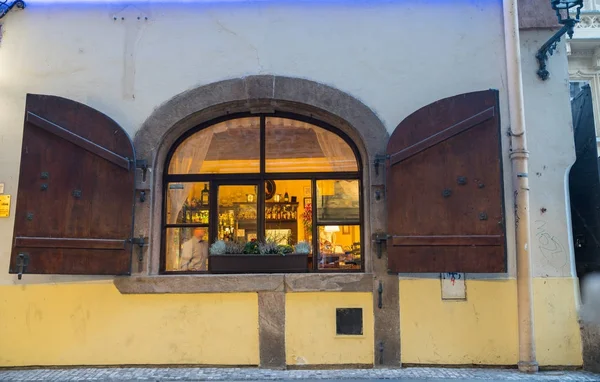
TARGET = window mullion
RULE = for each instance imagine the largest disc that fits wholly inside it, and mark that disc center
(315, 238)
(260, 214)
(263, 144)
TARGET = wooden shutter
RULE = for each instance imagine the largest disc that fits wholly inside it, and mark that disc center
(74, 211)
(444, 188)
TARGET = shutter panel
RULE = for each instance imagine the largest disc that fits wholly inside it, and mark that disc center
(445, 189)
(74, 211)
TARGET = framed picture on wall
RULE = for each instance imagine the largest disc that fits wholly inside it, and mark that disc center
(307, 201)
(307, 191)
(345, 230)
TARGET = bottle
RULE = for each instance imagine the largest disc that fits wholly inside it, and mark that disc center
(286, 197)
(204, 196)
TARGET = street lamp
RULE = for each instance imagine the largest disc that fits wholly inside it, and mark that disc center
(563, 9)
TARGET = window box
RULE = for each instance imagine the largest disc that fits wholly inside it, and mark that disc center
(290, 263)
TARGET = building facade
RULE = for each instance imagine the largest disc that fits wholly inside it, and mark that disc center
(137, 135)
(582, 51)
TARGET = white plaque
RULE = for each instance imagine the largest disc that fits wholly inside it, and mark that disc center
(453, 286)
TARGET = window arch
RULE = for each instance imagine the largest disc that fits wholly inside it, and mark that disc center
(262, 183)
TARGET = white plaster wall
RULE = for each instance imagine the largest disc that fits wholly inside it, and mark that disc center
(395, 56)
(552, 152)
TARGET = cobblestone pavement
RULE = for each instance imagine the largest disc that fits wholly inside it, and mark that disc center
(254, 374)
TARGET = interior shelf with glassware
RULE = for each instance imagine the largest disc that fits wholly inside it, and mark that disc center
(195, 211)
(240, 221)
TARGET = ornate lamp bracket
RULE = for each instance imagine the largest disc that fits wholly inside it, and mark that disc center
(563, 14)
(6, 6)
(550, 46)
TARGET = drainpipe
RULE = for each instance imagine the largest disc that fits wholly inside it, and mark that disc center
(519, 157)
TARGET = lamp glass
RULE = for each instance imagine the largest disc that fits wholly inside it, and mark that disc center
(565, 4)
(563, 10)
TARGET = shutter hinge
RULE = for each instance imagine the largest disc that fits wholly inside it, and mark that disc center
(380, 293)
(379, 239)
(140, 242)
(22, 263)
(143, 165)
(379, 159)
(140, 163)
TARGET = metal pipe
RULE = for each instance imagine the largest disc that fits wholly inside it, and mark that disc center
(519, 157)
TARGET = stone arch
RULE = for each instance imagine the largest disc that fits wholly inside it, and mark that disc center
(260, 93)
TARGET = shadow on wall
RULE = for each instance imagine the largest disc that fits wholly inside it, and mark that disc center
(590, 321)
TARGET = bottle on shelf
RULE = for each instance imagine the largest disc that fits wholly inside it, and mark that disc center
(204, 196)
(286, 197)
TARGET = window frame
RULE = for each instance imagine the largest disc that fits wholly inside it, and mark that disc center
(215, 180)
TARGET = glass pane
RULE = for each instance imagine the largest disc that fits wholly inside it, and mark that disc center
(295, 146)
(237, 213)
(337, 201)
(576, 87)
(187, 203)
(228, 147)
(187, 249)
(339, 247)
(288, 216)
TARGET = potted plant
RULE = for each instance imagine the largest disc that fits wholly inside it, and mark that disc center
(257, 257)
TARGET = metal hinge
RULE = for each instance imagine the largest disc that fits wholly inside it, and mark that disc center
(379, 159)
(380, 294)
(140, 163)
(22, 263)
(379, 239)
(140, 242)
(143, 165)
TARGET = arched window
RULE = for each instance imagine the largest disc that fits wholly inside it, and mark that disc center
(258, 184)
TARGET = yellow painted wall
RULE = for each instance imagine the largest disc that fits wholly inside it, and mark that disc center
(93, 324)
(310, 332)
(484, 328)
(558, 337)
(481, 330)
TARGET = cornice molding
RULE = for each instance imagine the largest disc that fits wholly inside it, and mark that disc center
(582, 74)
(586, 53)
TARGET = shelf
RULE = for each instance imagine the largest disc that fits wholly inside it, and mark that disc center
(269, 221)
(270, 203)
(185, 225)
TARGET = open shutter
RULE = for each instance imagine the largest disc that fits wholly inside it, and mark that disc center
(445, 189)
(74, 211)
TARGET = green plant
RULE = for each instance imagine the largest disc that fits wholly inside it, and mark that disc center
(251, 248)
(284, 249)
(218, 248)
(303, 247)
(234, 247)
(268, 248)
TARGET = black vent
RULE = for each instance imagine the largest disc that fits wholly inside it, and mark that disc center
(349, 321)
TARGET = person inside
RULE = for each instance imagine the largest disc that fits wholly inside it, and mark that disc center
(194, 252)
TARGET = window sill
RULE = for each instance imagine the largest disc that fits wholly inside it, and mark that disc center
(197, 283)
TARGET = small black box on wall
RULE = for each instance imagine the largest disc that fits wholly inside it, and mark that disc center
(349, 321)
